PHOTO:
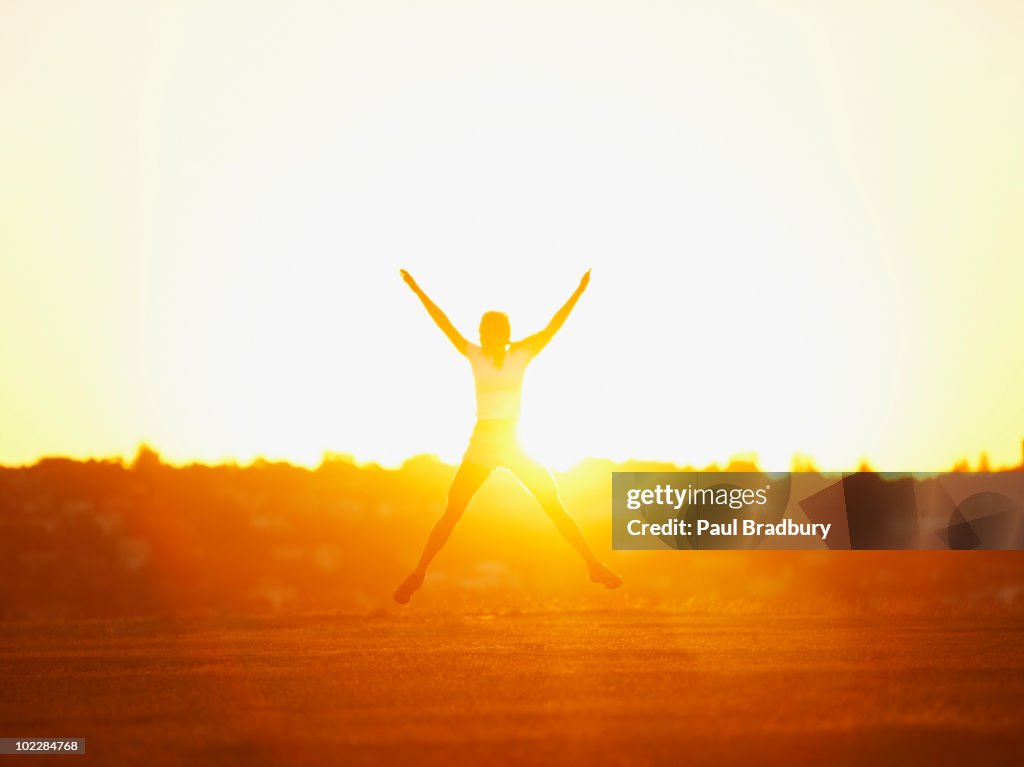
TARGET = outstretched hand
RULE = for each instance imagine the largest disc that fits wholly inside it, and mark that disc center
(584, 281)
(436, 315)
(409, 280)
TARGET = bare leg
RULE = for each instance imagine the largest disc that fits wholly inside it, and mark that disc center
(541, 484)
(468, 480)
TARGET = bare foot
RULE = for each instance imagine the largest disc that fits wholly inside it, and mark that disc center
(601, 574)
(407, 588)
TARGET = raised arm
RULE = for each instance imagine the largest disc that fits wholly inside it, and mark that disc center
(538, 341)
(436, 314)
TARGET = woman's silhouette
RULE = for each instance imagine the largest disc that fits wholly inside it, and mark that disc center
(498, 368)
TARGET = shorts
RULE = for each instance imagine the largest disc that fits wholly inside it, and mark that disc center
(494, 443)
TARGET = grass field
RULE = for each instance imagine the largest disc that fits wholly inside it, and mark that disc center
(628, 687)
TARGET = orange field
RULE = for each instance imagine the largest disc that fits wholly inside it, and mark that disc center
(621, 686)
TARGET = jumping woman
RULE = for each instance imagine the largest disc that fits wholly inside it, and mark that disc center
(498, 368)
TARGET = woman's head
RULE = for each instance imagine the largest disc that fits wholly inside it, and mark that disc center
(495, 331)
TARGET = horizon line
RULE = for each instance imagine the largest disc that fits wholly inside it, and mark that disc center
(798, 462)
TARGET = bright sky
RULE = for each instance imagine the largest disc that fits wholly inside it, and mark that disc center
(804, 221)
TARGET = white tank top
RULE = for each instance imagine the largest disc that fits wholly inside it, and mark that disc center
(498, 390)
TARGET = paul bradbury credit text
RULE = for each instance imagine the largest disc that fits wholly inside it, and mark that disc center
(734, 527)
(722, 495)
(712, 510)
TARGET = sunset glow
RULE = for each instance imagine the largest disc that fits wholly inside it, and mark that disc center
(794, 247)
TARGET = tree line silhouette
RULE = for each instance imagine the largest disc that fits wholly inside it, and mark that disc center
(101, 538)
